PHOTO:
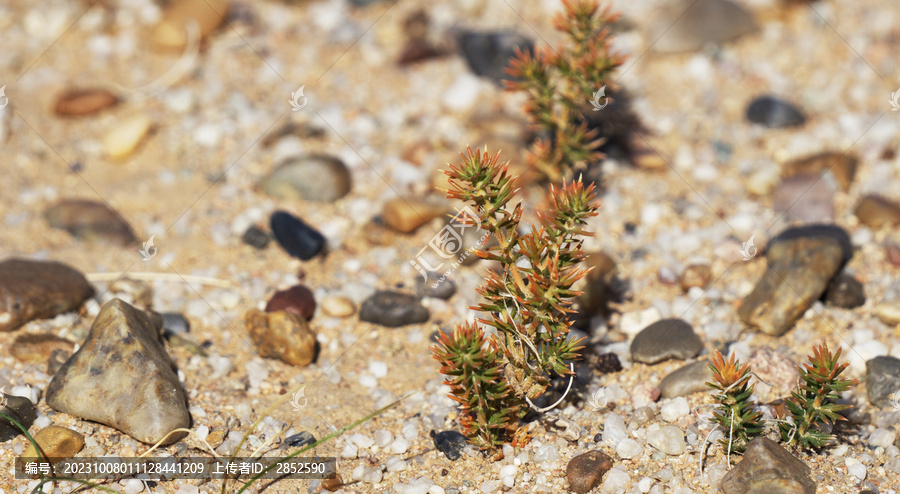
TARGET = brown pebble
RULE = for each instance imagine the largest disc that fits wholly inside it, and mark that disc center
(586, 470)
(892, 252)
(78, 102)
(696, 275)
(842, 165)
(35, 347)
(283, 335)
(171, 33)
(333, 484)
(38, 290)
(90, 221)
(408, 214)
(876, 212)
(56, 443)
(297, 299)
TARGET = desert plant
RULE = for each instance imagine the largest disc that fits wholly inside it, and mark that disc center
(528, 299)
(561, 82)
(812, 405)
(735, 412)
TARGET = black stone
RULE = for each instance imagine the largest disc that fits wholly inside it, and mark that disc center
(175, 323)
(256, 237)
(490, 53)
(19, 409)
(825, 230)
(299, 440)
(845, 291)
(451, 443)
(607, 363)
(444, 289)
(296, 237)
(774, 113)
(392, 309)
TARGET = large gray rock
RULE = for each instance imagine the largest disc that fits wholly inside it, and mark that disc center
(767, 468)
(801, 263)
(37, 290)
(665, 339)
(122, 377)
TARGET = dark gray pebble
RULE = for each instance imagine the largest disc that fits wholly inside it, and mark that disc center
(299, 440)
(489, 53)
(435, 287)
(845, 291)
(451, 443)
(665, 339)
(174, 323)
(774, 112)
(392, 309)
(256, 237)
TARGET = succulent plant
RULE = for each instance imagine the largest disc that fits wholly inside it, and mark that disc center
(735, 413)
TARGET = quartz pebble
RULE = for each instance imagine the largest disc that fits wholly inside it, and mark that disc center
(126, 135)
(628, 448)
(668, 439)
(674, 409)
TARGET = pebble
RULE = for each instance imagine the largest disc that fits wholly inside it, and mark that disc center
(35, 347)
(175, 323)
(90, 221)
(21, 409)
(126, 135)
(383, 437)
(296, 237)
(133, 486)
(881, 437)
(801, 262)
(883, 381)
(691, 378)
(702, 23)
(378, 369)
(334, 484)
(56, 360)
(407, 214)
(614, 430)
(283, 335)
(79, 102)
(804, 198)
(32, 290)
(889, 312)
(696, 275)
(606, 363)
(674, 409)
(122, 377)
(434, 287)
(842, 166)
(631, 323)
(316, 177)
(845, 292)
(399, 446)
(336, 306)
(256, 237)
(297, 299)
(855, 468)
(300, 439)
(56, 443)
(665, 339)
(668, 439)
(877, 212)
(170, 32)
(628, 448)
(395, 464)
(392, 309)
(775, 368)
(617, 480)
(490, 53)
(489, 486)
(767, 467)
(774, 112)
(546, 453)
(585, 471)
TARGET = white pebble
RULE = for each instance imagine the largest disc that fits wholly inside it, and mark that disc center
(674, 409)
(371, 475)
(462, 93)
(399, 446)
(257, 371)
(202, 432)
(383, 437)
(631, 323)
(882, 437)
(410, 430)
(42, 421)
(616, 481)
(436, 489)
(378, 369)
(221, 366)
(545, 453)
(188, 489)
(645, 484)
(361, 440)
(628, 448)
(856, 468)
(669, 439)
(349, 451)
(508, 470)
(614, 430)
(489, 486)
(396, 464)
(367, 381)
(133, 486)
(420, 485)
(29, 392)
(197, 412)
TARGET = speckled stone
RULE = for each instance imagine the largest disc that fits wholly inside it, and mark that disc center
(767, 467)
(665, 339)
(585, 471)
(283, 335)
(122, 377)
(451, 443)
(91, 221)
(392, 309)
(316, 177)
(56, 443)
(38, 290)
(691, 378)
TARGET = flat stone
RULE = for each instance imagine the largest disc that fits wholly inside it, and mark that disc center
(90, 221)
(766, 467)
(393, 309)
(56, 443)
(78, 102)
(35, 347)
(883, 381)
(170, 32)
(283, 335)
(297, 299)
(122, 377)
(845, 292)
(407, 214)
(32, 290)
(801, 263)
(316, 177)
(805, 198)
(774, 112)
(489, 53)
(21, 410)
(877, 212)
(703, 22)
(841, 165)
(451, 443)
(665, 339)
(586, 471)
(691, 378)
(296, 237)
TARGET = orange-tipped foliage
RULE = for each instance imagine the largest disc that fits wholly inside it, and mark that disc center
(735, 413)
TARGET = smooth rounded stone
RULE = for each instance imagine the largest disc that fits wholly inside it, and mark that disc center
(316, 177)
(601, 287)
(407, 214)
(665, 339)
(392, 309)
(283, 335)
(643, 394)
(490, 53)
(171, 31)
(691, 378)
(767, 467)
(35, 347)
(335, 306)
(297, 299)
(133, 486)
(804, 198)
(889, 312)
(801, 262)
(703, 22)
(882, 437)
(876, 212)
(175, 323)
(126, 135)
(21, 409)
(882, 380)
(842, 166)
(32, 290)
(585, 471)
(451, 443)
(300, 439)
(845, 292)
(296, 237)
(256, 237)
(774, 112)
(78, 102)
(434, 287)
(668, 439)
(122, 377)
(696, 275)
(90, 221)
(56, 443)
